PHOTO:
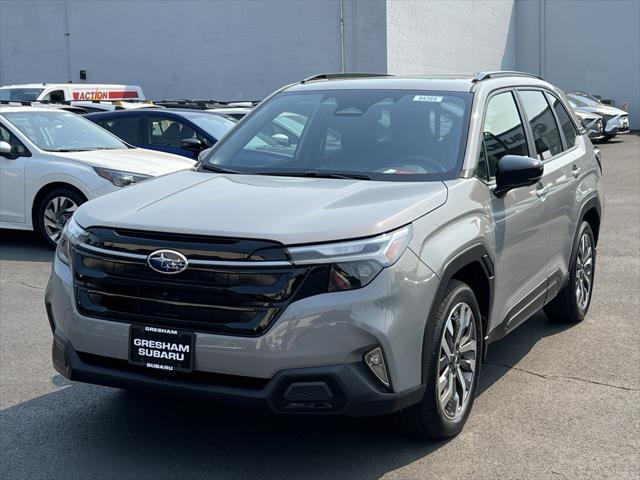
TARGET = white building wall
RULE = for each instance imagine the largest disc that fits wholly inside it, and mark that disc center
(438, 37)
(191, 48)
(590, 45)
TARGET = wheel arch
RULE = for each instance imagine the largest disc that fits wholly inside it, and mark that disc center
(44, 191)
(473, 266)
(591, 212)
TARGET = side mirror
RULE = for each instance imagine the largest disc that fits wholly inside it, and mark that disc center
(280, 138)
(6, 150)
(192, 144)
(515, 171)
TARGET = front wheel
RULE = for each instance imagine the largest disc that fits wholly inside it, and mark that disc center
(53, 212)
(452, 366)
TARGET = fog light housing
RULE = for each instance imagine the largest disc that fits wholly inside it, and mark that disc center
(374, 360)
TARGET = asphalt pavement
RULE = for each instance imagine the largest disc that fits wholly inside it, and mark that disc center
(556, 401)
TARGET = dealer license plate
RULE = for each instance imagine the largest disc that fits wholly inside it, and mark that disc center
(161, 348)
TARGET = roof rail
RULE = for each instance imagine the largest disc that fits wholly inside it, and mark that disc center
(336, 76)
(206, 104)
(479, 76)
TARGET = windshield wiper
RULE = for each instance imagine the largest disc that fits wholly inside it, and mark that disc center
(319, 174)
(90, 149)
(213, 168)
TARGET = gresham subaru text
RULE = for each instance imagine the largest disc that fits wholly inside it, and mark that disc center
(358, 261)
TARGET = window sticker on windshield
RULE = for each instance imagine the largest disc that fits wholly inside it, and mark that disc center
(427, 98)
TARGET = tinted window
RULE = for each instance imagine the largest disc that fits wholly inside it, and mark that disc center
(543, 125)
(503, 132)
(168, 132)
(17, 148)
(386, 134)
(566, 124)
(126, 128)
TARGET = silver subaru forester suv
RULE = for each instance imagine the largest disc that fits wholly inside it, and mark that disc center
(352, 246)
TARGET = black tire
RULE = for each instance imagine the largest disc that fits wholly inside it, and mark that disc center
(76, 197)
(565, 306)
(427, 418)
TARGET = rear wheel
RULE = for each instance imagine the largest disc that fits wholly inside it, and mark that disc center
(54, 210)
(572, 303)
(452, 367)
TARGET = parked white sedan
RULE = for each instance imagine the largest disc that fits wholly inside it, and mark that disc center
(51, 161)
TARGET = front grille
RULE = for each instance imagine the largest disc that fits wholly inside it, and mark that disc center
(113, 281)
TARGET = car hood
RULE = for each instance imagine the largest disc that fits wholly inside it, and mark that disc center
(604, 110)
(134, 160)
(284, 209)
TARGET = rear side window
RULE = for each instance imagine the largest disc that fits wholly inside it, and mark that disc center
(503, 133)
(126, 128)
(543, 125)
(566, 124)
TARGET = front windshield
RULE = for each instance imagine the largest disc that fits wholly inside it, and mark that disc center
(58, 131)
(395, 135)
(582, 101)
(214, 125)
(20, 94)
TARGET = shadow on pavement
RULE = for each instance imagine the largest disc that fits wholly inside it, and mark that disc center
(18, 245)
(85, 431)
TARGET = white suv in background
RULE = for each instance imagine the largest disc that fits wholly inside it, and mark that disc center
(51, 161)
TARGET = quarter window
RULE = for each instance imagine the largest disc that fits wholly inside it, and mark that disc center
(566, 124)
(503, 132)
(543, 125)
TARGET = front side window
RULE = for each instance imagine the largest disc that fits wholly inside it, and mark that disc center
(503, 133)
(56, 96)
(60, 131)
(391, 135)
(126, 128)
(543, 125)
(167, 132)
(566, 124)
(17, 148)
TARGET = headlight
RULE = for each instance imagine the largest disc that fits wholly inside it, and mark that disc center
(120, 178)
(72, 234)
(356, 263)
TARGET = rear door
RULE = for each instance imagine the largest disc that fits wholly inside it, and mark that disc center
(555, 139)
(521, 238)
(126, 126)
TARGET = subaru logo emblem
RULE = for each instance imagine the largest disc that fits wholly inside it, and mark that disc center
(167, 261)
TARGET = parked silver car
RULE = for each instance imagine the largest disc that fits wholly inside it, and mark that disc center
(592, 124)
(362, 267)
(614, 120)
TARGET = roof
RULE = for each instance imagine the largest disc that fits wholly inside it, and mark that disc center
(180, 112)
(22, 108)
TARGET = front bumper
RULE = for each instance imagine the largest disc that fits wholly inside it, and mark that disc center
(333, 389)
(321, 336)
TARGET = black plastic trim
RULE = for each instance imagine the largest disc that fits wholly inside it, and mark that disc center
(476, 253)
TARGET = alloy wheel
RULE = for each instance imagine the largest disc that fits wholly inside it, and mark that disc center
(584, 271)
(457, 361)
(56, 214)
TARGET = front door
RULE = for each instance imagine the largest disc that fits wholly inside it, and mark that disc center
(521, 239)
(12, 168)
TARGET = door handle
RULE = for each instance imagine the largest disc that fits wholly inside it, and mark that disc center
(542, 191)
(575, 171)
